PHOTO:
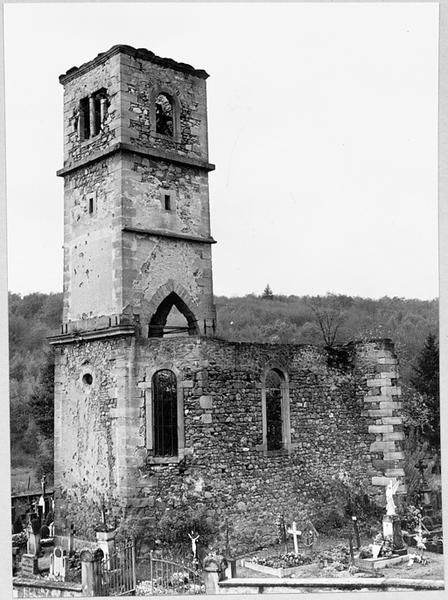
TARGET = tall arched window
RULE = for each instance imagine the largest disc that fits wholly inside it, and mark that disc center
(275, 408)
(165, 408)
(164, 115)
(274, 417)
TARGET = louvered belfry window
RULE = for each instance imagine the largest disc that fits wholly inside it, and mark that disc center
(164, 388)
(274, 420)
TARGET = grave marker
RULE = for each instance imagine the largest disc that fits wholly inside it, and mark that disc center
(296, 533)
(29, 565)
(58, 563)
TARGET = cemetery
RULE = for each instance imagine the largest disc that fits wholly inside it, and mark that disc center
(302, 559)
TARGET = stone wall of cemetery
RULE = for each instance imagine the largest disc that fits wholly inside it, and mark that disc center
(344, 417)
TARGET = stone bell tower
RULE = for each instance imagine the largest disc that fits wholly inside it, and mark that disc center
(137, 262)
(137, 223)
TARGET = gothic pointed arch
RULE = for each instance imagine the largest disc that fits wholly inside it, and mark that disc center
(160, 306)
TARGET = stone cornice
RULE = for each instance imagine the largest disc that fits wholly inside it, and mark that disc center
(95, 334)
(146, 152)
(167, 234)
(140, 53)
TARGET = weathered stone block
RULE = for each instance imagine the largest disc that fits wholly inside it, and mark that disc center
(382, 446)
(395, 435)
(206, 402)
(381, 429)
(392, 420)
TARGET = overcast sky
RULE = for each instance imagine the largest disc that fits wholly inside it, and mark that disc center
(322, 126)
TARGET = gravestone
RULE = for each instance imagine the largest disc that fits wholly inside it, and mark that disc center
(44, 532)
(33, 544)
(29, 565)
(58, 563)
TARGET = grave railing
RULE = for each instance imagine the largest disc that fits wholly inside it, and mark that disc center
(162, 576)
(116, 573)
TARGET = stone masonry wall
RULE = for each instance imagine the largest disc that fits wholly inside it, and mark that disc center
(144, 182)
(383, 407)
(225, 471)
(222, 469)
(104, 76)
(92, 248)
(141, 82)
(145, 284)
(86, 445)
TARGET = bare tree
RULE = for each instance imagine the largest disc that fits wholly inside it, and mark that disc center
(329, 316)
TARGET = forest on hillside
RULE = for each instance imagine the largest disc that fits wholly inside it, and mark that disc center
(320, 320)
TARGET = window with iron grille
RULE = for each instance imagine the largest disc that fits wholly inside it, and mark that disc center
(165, 436)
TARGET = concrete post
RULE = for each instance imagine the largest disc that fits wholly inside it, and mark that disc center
(214, 572)
(91, 572)
(106, 541)
(230, 572)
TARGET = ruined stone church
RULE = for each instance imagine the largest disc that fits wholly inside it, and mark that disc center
(153, 412)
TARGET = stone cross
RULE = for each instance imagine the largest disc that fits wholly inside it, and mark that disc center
(296, 533)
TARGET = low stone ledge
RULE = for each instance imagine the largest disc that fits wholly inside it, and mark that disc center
(66, 586)
(353, 583)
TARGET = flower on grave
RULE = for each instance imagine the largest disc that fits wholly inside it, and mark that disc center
(285, 561)
(378, 539)
(19, 539)
(365, 552)
(179, 577)
(417, 558)
(421, 541)
(387, 547)
(419, 538)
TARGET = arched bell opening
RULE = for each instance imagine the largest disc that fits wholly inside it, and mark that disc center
(172, 318)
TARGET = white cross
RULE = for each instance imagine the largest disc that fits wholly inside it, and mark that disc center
(295, 533)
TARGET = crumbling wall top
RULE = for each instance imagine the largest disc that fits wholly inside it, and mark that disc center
(141, 53)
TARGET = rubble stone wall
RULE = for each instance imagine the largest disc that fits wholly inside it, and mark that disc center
(86, 445)
(92, 247)
(142, 81)
(104, 76)
(223, 470)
